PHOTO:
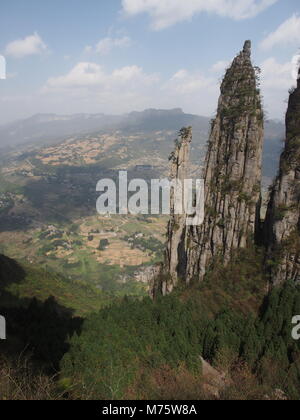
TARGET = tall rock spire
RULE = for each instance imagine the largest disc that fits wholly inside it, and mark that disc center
(175, 258)
(232, 170)
(247, 48)
(232, 181)
(282, 226)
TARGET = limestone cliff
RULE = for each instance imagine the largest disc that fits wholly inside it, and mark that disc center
(282, 226)
(232, 179)
(232, 170)
(175, 258)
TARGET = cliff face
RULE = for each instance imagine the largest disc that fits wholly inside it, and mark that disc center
(232, 179)
(282, 226)
(175, 257)
(233, 170)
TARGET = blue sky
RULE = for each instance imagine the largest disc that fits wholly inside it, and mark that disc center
(73, 56)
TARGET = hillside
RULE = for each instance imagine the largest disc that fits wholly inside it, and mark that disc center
(146, 126)
(50, 127)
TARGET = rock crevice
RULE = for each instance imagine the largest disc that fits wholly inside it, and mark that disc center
(282, 225)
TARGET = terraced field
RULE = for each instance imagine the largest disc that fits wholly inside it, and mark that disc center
(49, 216)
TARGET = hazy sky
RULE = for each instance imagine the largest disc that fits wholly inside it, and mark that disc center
(113, 56)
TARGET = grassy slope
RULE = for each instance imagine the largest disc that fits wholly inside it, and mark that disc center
(20, 283)
(241, 286)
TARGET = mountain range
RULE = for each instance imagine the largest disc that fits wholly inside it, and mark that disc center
(44, 129)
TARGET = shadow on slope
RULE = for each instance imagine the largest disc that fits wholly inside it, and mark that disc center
(37, 329)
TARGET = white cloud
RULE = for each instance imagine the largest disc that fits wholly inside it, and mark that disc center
(187, 83)
(277, 79)
(88, 87)
(277, 76)
(296, 66)
(220, 66)
(31, 45)
(88, 49)
(193, 91)
(106, 45)
(91, 75)
(11, 75)
(287, 33)
(165, 13)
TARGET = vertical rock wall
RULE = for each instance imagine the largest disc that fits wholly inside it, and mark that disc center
(282, 226)
(232, 179)
(233, 170)
(175, 258)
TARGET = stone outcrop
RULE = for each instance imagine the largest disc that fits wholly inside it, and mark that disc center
(145, 275)
(214, 381)
(177, 229)
(232, 179)
(232, 170)
(282, 225)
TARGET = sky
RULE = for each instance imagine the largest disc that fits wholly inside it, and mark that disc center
(118, 56)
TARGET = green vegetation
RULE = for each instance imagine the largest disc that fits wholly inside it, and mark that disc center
(42, 284)
(137, 348)
(116, 345)
(124, 350)
(9, 187)
(143, 243)
(120, 348)
(281, 211)
(104, 243)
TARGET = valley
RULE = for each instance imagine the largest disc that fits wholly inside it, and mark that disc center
(48, 197)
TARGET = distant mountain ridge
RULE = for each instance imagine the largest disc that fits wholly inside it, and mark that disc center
(47, 128)
(50, 126)
(42, 127)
